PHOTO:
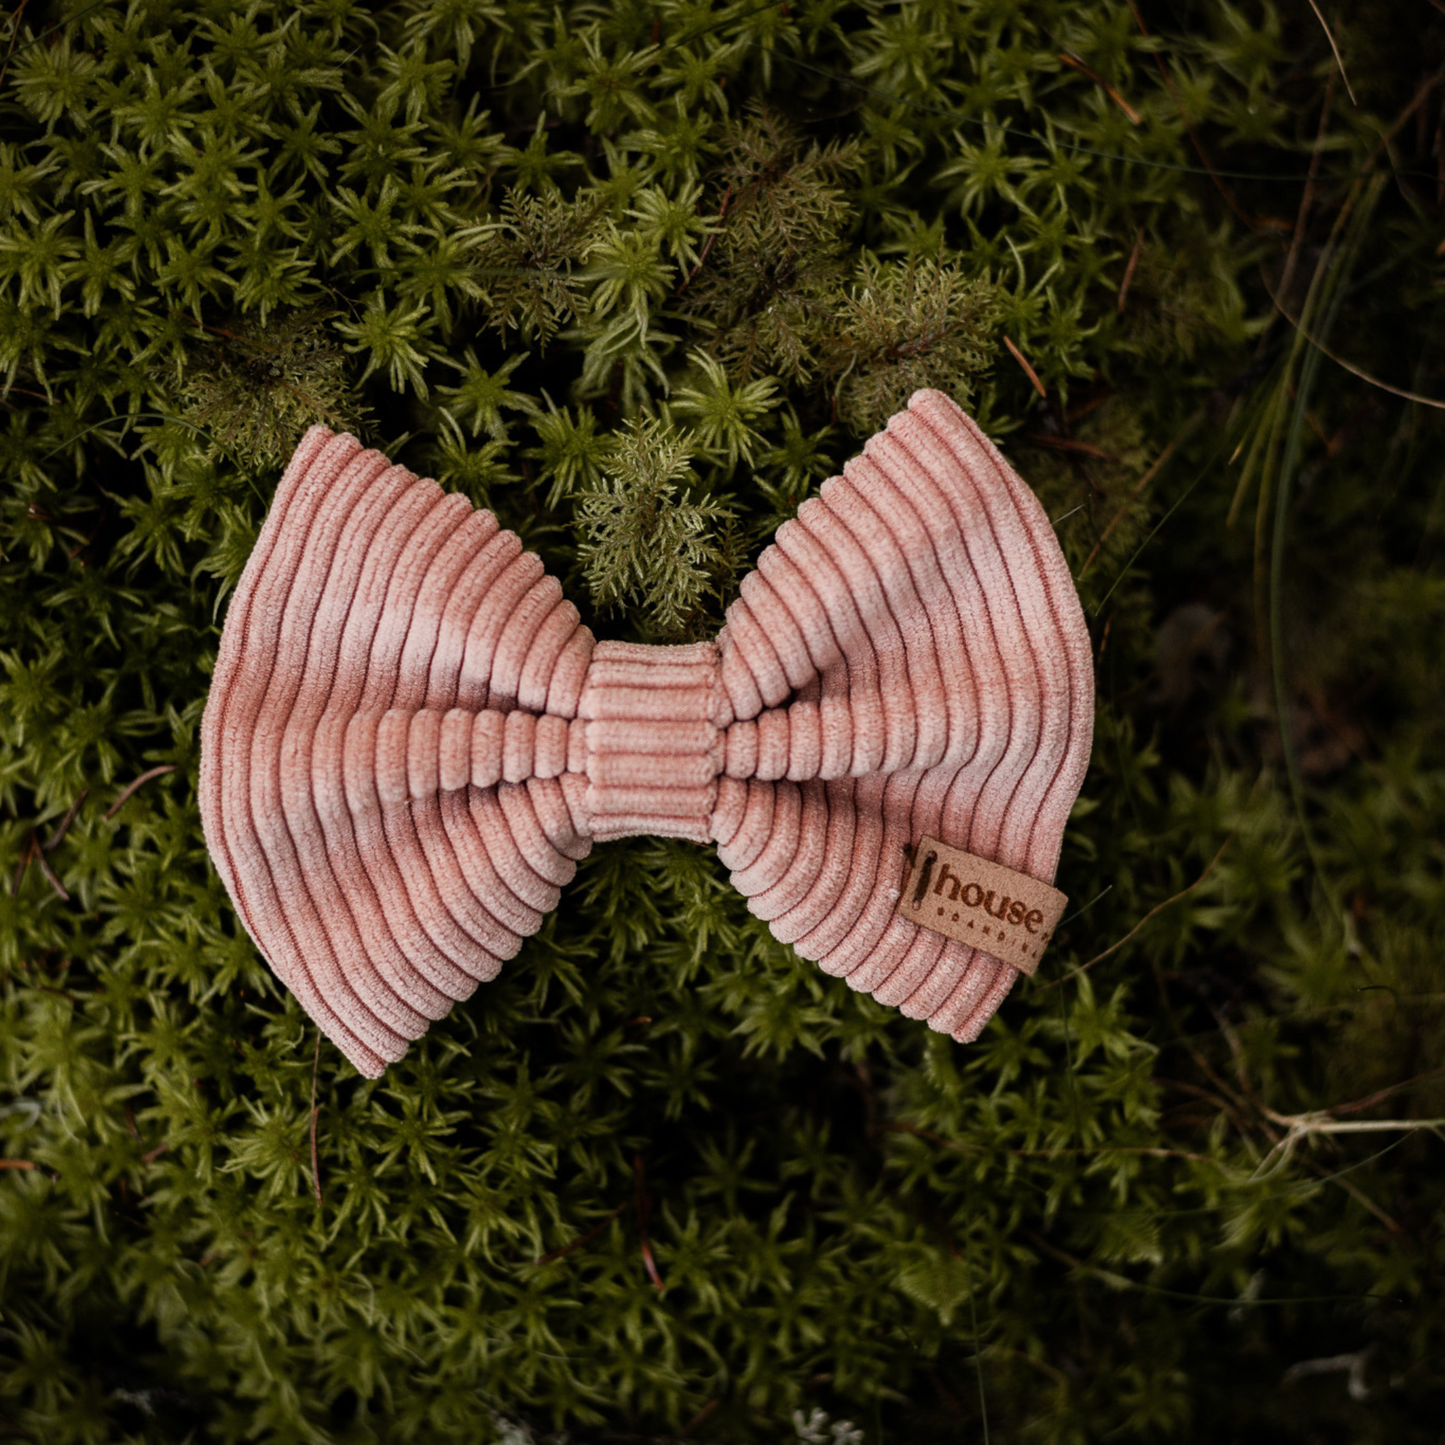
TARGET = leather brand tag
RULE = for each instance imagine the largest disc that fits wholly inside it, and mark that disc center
(1007, 915)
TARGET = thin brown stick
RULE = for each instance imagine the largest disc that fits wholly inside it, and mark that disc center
(1152, 913)
(38, 853)
(1032, 375)
(1077, 64)
(1149, 1152)
(1104, 640)
(17, 1164)
(1139, 486)
(1359, 1195)
(1398, 124)
(1079, 412)
(1380, 1095)
(1322, 1124)
(1225, 1102)
(1068, 444)
(23, 866)
(1307, 199)
(644, 1214)
(1129, 272)
(129, 792)
(1299, 1127)
(697, 1419)
(315, 1112)
(1350, 366)
(64, 825)
(31, 982)
(1355, 1106)
(581, 1238)
(1338, 60)
(708, 244)
(1190, 131)
(14, 36)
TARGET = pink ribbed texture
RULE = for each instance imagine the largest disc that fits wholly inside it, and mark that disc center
(411, 738)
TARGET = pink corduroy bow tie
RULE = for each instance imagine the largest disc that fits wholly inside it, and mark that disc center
(411, 739)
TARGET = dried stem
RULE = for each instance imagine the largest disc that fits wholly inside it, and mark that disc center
(128, 793)
(1032, 375)
(64, 825)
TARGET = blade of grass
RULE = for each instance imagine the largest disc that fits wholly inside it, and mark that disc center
(1204, 471)
(1339, 60)
(1333, 280)
(1069, 1064)
(977, 1344)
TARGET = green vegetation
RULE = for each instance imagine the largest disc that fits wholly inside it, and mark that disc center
(639, 275)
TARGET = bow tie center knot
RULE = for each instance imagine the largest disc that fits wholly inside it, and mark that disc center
(655, 746)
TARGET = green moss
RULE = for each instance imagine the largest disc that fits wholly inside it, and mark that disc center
(639, 276)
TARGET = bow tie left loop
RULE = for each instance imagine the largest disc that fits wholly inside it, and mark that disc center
(411, 738)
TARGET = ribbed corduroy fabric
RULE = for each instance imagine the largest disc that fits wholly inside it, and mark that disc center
(411, 738)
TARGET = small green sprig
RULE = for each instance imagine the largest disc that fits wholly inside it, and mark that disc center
(772, 282)
(528, 261)
(903, 325)
(255, 389)
(647, 540)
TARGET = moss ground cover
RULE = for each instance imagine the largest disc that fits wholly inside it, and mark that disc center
(639, 276)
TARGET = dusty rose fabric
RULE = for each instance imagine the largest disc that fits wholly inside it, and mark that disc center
(411, 738)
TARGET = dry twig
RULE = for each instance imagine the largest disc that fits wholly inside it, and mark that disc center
(14, 36)
(1299, 1127)
(1143, 482)
(1129, 271)
(581, 1238)
(1077, 64)
(38, 853)
(708, 244)
(1068, 444)
(64, 825)
(129, 792)
(315, 1111)
(1189, 130)
(1152, 913)
(644, 1214)
(1032, 375)
(22, 867)
(1324, 25)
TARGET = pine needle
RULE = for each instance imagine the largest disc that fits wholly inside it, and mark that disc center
(132, 789)
(1029, 372)
(1153, 471)
(38, 854)
(1129, 272)
(1077, 64)
(1339, 60)
(315, 1114)
(1152, 914)
(63, 827)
